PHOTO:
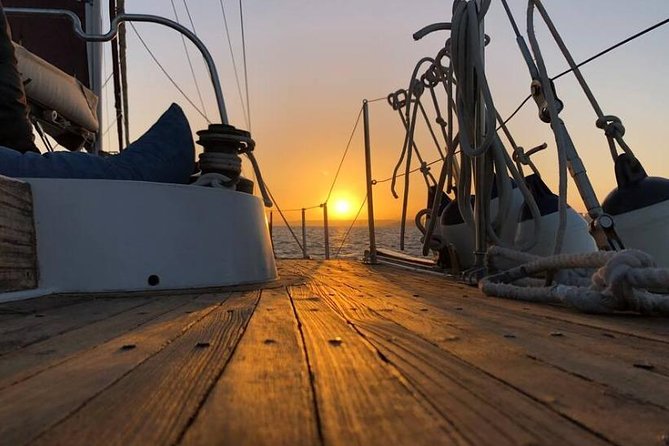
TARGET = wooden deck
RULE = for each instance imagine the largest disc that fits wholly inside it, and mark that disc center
(335, 353)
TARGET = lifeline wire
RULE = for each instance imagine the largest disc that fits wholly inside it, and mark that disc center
(283, 217)
(348, 231)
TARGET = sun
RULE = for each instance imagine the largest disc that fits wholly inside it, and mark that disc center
(342, 208)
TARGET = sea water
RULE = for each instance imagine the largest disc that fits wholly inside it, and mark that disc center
(351, 246)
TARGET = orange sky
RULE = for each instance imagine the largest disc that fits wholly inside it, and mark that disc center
(311, 64)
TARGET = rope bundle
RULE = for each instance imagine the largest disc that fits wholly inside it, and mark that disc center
(599, 282)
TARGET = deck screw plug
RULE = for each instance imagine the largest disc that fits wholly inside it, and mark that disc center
(644, 365)
(335, 341)
(202, 345)
(128, 347)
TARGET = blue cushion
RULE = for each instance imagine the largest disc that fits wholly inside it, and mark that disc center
(164, 154)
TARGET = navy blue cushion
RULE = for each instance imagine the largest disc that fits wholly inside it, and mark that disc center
(164, 154)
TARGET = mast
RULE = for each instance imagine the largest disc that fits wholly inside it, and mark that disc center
(123, 66)
(94, 50)
(116, 70)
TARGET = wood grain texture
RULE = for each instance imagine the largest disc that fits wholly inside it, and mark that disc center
(485, 410)
(630, 364)
(33, 328)
(155, 402)
(362, 399)
(18, 251)
(643, 327)
(19, 365)
(31, 407)
(501, 352)
(264, 397)
(349, 354)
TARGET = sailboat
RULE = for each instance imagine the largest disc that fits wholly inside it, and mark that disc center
(210, 233)
(333, 352)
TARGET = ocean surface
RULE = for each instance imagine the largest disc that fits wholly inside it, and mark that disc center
(353, 246)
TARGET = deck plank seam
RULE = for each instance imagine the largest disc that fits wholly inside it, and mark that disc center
(586, 334)
(87, 350)
(310, 370)
(566, 318)
(613, 390)
(84, 403)
(655, 371)
(370, 328)
(499, 380)
(218, 376)
(612, 330)
(415, 393)
(73, 328)
(577, 375)
(10, 308)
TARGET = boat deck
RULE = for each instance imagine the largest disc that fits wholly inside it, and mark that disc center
(336, 352)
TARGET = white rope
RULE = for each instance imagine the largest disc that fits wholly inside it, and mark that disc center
(627, 280)
(215, 180)
(219, 161)
(467, 42)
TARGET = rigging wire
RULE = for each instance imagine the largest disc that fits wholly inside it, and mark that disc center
(109, 127)
(590, 59)
(341, 163)
(348, 231)
(234, 64)
(300, 209)
(162, 68)
(104, 84)
(246, 71)
(283, 217)
(417, 169)
(613, 47)
(190, 62)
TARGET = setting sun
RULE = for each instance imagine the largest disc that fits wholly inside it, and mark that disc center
(342, 208)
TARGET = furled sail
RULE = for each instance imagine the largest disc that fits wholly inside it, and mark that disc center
(60, 71)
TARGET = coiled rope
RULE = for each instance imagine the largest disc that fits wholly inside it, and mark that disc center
(627, 280)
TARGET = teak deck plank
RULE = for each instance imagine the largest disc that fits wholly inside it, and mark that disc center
(156, 401)
(336, 352)
(630, 324)
(621, 361)
(583, 402)
(28, 330)
(361, 398)
(264, 397)
(481, 408)
(21, 364)
(30, 407)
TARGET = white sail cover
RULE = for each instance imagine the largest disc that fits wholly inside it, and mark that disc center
(52, 89)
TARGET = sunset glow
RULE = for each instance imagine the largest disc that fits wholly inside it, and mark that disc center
(342, 208)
